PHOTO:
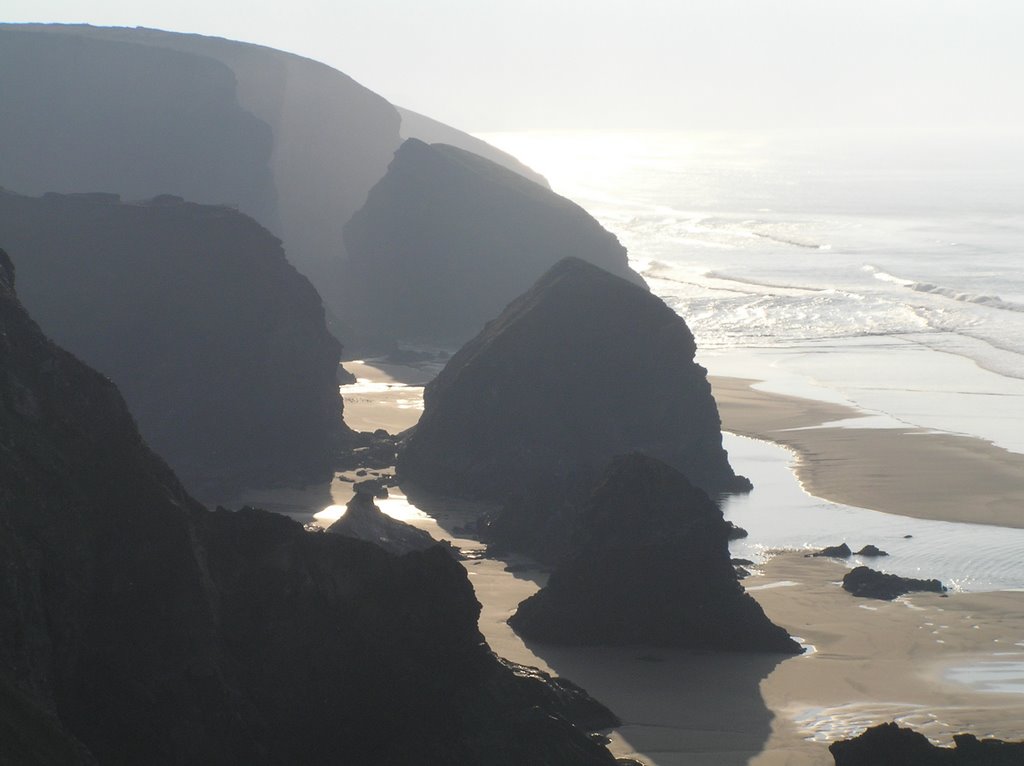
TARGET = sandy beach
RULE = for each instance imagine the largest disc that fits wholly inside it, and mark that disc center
(922, 660)
(906, 471)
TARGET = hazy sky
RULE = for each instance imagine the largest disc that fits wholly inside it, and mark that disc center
(685, 64)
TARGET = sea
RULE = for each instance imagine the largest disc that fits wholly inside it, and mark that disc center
(881, 271)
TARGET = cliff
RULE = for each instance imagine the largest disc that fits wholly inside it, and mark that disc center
(582, 367)
(446, 239)
(140, 626)
(217, 343)
(650, 565)
(292, 142)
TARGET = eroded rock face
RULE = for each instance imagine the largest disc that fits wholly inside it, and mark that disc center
(650, 566)
(149, 630)
(890, 745)
(582, 367)
(217, 343)
(446, 239)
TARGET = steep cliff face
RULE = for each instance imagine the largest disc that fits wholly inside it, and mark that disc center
(152, 631)
(582, 367)
(446, 239)
(81, 115)
(106, 621)
(294, 143)
(650, 565)
(217, 343)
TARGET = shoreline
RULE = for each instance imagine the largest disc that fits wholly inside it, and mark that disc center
(903, 471)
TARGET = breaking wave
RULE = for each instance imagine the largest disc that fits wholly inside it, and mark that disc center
(989, 301)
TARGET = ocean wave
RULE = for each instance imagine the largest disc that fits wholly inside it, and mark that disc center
(791, 241)
(759, 283)
(930, 288)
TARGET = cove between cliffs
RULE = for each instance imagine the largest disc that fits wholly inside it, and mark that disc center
(760, 711)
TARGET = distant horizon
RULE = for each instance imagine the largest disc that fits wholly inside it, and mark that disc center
(698, 65)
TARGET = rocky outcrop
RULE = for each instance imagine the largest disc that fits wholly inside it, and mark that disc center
(890, 745)
(871, 550)
(582, 367)
(294, 143)
(868, 583)
(651, 566)
(217, 343)
(446, 239)
(151, 631)
(841, 551)
(363, 520)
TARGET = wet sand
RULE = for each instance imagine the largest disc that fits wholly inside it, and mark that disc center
(877, 661)
(906, 471)
(387, 396)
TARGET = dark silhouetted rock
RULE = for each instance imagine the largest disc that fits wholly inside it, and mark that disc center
(736, 532)
(217, 343)
(446, 239)
(363, 520)
(871, 550)
(651, 566)
(841, 551)
(868, 583)
(582, 367)
(889, 745)
(152, 631)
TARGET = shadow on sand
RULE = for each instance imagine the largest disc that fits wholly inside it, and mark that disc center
(676, 707)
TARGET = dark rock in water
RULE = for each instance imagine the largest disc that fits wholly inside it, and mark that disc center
(841, 551)
(446, 239)
(138, 625)
(363, 520)
(867, 583)
(736, 532)
(871, 550)
(582, 367)
(890, 745)
(217, 343)
(651, 567)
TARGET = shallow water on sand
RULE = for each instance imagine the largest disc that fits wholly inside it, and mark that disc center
(778, 514)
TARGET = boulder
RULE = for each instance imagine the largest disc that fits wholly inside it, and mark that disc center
(871, 550)
(582, 367)
(650, 566)
(868, 583)
(446, 239)
(841, 551)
